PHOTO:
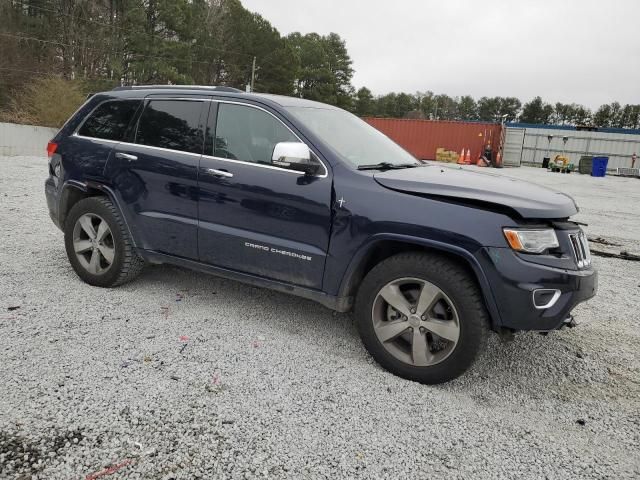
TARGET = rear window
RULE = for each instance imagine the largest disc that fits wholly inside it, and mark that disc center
(173, 124)
(110, 120)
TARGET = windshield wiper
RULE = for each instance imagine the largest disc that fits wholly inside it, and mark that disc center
(387, 166)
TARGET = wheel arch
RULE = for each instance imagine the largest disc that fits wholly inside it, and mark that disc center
(384, 246)
(74, 191)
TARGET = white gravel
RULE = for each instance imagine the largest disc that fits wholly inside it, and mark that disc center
(183, 375)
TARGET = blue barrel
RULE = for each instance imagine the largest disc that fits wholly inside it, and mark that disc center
(599, 167)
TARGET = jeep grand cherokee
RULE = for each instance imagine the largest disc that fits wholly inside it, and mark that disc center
(307, 199)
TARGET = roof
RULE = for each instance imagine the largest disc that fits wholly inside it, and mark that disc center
(178, 87)
(285, 101)
(280, 100)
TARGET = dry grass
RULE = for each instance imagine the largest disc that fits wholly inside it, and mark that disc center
(46, 101)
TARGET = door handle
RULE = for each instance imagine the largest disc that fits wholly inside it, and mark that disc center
(219, 173)
(126, 156)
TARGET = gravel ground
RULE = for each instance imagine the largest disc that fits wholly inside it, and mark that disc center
(184, 375)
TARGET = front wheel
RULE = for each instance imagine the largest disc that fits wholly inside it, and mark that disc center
(421, 317)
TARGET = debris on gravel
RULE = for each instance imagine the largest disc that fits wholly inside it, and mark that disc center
(224, 380)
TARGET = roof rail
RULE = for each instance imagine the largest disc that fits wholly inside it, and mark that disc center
(181, 87)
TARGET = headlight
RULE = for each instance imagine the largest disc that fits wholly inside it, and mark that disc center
(531, 241)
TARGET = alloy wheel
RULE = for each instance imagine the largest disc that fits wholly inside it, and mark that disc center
(415, 321)
(93, 243)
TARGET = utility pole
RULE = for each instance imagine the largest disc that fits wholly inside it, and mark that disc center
(253, 73)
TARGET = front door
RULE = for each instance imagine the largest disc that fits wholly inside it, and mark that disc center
(155, 176)
(254, 217)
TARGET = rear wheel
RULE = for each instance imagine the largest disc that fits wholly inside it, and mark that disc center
(421, 317)
(98, 244)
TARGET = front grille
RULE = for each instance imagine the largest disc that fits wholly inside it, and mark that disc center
(581, 251)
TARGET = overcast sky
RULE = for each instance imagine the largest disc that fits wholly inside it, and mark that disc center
(581, 51)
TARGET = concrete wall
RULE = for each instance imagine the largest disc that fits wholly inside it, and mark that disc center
(24, 139)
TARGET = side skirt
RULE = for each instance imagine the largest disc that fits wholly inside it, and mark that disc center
(340, 304)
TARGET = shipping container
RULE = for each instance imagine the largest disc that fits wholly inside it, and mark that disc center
(423, 137)
(512, 151)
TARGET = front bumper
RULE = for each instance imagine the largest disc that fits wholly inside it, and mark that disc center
(513, 280)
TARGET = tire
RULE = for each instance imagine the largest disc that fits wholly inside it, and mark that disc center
(455, 305)
(117, 261)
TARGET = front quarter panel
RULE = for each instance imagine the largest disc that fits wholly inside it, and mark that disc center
(370, 212)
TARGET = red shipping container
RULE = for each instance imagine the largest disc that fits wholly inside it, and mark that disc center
(423, 137)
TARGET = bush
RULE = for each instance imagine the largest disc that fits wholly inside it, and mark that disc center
(47, 101)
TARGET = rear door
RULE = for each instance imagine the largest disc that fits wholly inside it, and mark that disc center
(86, 152)
(255, 217)
(155, 174)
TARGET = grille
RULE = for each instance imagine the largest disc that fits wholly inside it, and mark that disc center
(581, 251)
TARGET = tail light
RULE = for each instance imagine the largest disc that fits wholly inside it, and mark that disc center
(51, 149)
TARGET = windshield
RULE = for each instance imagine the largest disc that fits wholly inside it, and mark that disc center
(352, 139)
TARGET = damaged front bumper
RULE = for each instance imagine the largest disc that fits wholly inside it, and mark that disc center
(531, 296)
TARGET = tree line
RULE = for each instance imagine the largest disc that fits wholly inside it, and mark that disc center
(98, 44)
(428, 105)
(93, 45)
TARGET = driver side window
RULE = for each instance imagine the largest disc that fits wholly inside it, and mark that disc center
(248, 134)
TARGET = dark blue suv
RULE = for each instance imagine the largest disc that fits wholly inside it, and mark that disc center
(307, 199)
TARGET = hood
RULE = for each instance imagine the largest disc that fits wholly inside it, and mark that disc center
(527, 199)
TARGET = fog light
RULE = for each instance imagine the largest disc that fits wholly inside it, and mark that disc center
(544, 298)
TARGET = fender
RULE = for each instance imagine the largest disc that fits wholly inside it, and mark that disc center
(66, 191)
(459, 252)
(87, 188)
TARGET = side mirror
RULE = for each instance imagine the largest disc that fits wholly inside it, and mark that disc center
(294, 156)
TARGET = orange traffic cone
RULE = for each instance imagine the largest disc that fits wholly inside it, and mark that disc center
(461, 158)
(467, 157)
